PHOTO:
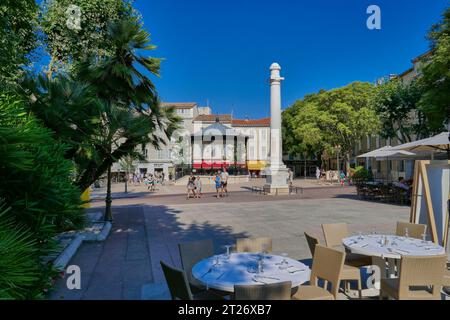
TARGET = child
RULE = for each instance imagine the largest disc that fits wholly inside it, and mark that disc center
(218, 184)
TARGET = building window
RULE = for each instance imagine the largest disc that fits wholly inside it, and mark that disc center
(263, 152)
(401, 166)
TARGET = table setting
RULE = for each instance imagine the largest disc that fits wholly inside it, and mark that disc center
(391, 246)
(222, 272)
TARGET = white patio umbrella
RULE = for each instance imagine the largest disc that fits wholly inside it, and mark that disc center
(388, 152)
(440, 142)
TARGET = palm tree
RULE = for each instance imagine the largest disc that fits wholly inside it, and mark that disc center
(131, 114)
(126, 164)
(107, 107)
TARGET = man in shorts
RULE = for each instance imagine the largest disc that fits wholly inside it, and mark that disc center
(224, 181)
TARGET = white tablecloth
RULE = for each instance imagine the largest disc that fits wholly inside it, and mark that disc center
(371, 245)
(236, 271)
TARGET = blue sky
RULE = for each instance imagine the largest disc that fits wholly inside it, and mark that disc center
(222, 50)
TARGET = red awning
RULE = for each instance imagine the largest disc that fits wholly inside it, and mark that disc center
(197, 165)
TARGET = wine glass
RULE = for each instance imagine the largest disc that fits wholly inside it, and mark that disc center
(406, 233)
(264, 249)
(228, 254)
(216, 261)
(284, 263)
(424, 237)
(260, 265)
(360, 236)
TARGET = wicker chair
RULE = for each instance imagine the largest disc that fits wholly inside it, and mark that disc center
(447, 279)
(253, 244)
(348, 272)
(327, 266)
(272, 291)
(190, 254)
(179, 286)
(414, 230)
(334, 233)
(421, 278)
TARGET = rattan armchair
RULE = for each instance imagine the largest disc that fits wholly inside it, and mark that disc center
(253, 244)
(334, 233)
(348, 272)
(421, 278)
(327, 267)
(414, 230)
(272, 291)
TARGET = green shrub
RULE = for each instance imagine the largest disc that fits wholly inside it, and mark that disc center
(18, 260)
(361, 174)
(36, 185)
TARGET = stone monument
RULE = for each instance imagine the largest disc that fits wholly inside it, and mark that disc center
(276, 173)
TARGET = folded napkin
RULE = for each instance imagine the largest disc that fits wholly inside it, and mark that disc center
(400, 251)
(360, 245)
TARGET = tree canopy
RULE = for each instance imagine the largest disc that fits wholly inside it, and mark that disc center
(396, 103)
(435, 79)
(326, 120)
(18, 21)
(68, 46)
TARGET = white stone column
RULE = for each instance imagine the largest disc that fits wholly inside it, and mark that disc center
(276, 149)
(277, 173)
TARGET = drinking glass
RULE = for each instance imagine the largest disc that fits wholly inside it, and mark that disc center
(216, 261)
(260, 265)
(284, 264)
(360, 236)
(406, 233)
(228, 254)
(424, 238)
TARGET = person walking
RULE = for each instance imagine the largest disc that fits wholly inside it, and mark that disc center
(218, 183)
(290, 177)
(190, 188)
(342, 178)
(198, 187)
(318, 173)
(224, 182)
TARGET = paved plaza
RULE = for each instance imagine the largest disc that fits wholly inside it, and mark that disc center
(147, 229)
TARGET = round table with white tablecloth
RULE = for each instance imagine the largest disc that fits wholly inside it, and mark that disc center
(223, 274)
(395, 247)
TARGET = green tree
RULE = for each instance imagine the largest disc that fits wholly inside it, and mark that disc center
(17, 37)
(67, 46)
(435, 100)
(321, 122)
(127, 165)
(396, 103)
(108, 107)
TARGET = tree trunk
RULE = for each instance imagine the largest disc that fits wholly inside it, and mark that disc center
(94, 171)
(50, 68)
(108, 201)
(126, 183)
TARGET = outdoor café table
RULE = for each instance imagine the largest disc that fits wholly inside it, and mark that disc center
(395, 249)
(241, 269)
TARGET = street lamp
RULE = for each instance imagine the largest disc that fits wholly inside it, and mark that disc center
(338, 150)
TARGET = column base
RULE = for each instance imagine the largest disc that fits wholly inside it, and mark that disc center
(277, 181)
(276, 191)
